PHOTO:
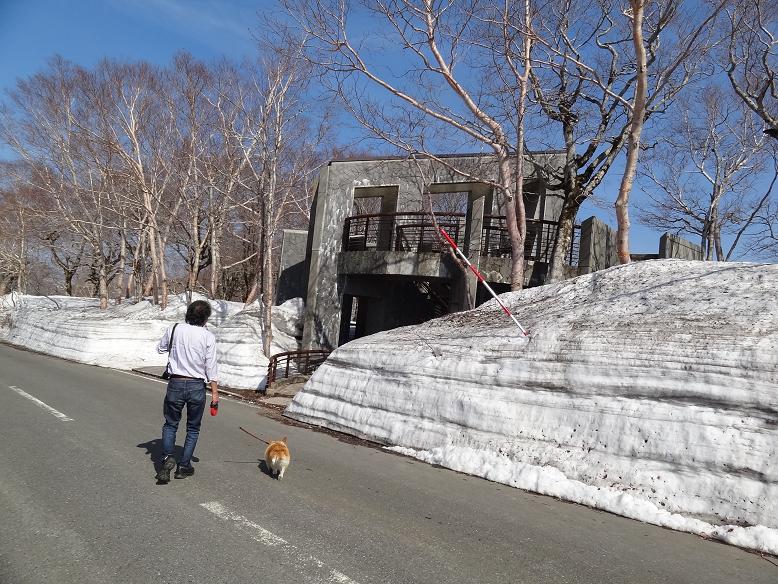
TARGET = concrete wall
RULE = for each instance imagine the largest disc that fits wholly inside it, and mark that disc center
(401, 184)
(394, 263)
(673, 246)
(598, 246)
(292, 272)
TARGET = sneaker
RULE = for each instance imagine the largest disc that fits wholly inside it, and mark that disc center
(163, 476)
(184, 471)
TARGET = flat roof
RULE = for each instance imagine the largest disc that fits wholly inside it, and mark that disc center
(433, 156)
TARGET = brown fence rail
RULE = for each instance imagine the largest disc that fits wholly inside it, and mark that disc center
(413, 232)
(538, 246)
(283, 365)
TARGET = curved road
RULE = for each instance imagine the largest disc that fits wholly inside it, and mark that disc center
(79, 503)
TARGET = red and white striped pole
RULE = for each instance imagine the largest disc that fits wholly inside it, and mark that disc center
(481, 279)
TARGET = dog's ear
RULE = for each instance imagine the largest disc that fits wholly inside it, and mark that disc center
(283, 439)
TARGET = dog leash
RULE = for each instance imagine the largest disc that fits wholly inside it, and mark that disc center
(253, 436)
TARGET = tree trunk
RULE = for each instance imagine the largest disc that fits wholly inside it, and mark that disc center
(162, 274)
(215, 259)
(633, 140)
(719, 249)
(570, 206)
(256, 283)
(122, 271)
(267, 302)
(151, 283)
(68, 276)
(21, 279)
(518, 241)
(194, 268)
(103, 284)
(515, 221)
(564, 239)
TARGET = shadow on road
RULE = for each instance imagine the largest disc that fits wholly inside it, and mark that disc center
(265, 469)
(156, 454)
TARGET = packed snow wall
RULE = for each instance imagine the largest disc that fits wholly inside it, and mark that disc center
(650, 390)
(125, 335)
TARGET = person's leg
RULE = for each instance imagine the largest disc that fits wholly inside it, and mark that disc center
(172, 408)
(195, 406)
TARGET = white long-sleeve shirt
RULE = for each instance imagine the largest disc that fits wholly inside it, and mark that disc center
(193, 353)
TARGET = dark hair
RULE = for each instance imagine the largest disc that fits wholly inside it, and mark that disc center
(198, 313)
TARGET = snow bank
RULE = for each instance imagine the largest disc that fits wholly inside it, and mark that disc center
(242, 363)
(125, 335)
(649, 390)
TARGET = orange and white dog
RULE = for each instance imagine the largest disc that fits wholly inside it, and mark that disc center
(277, 457)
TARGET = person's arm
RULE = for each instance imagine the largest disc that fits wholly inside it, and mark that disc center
(212, 366)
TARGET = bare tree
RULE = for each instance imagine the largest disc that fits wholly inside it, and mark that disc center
(49, 131)
(275, 138)
(637, 115)
(67, 252)
(15, 218)
(127, 163)
(751, 61)
(444, 87)
(585, 81)
(705, 174)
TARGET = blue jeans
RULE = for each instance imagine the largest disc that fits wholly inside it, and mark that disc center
(180, 393)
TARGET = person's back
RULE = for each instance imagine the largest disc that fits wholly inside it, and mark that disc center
(192, 353)
(191, 364)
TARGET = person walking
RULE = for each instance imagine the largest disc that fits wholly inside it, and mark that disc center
(191, 364)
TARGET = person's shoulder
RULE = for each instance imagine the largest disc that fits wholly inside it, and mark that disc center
(203, 332)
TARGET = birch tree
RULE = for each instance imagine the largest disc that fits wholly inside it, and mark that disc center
(49, 130)
(15, 219)
(585, 81)
(751, 60)
(707, 177)
(275, 138)
(441, 86)
(637, 115)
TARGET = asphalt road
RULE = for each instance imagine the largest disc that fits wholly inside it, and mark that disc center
(79, 503)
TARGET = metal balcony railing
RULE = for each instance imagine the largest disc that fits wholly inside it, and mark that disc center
(414, 232)
(282, 365)
(538, 246)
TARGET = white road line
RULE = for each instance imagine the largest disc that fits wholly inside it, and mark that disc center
(35, 400)
(269, 539)
(260, 534)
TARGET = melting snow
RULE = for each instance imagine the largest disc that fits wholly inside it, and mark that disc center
(649, 390)
(125, 335)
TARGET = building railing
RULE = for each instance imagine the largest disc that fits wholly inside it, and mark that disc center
(282, 365)
(538, 245)
(414, 232)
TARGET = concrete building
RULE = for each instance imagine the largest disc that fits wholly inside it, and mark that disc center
(372, 260)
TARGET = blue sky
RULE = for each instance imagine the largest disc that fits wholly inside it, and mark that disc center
(84, 31)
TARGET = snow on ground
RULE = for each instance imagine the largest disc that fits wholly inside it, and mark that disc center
(125, 335)
(242, 364)
(649, 390)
